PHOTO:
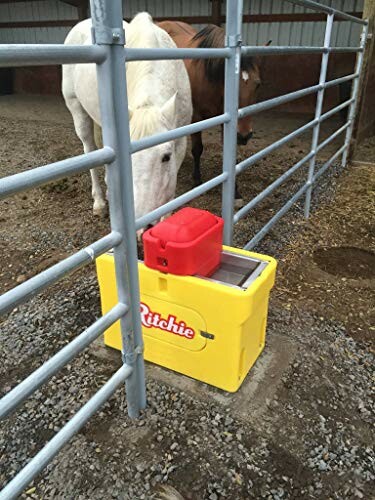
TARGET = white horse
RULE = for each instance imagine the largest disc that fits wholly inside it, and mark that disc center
(159, 99)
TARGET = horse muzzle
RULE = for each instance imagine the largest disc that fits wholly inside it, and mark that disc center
(242, 140)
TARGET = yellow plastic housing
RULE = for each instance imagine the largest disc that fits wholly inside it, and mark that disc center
(208, 331)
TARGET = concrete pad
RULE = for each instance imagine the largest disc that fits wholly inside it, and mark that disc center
(258, 388)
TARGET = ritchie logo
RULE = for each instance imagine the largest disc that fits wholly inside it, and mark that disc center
(152, 319)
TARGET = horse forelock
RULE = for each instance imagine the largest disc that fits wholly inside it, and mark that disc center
(213, 37)
(146, 120)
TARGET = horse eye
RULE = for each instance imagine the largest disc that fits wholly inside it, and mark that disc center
(166, 158)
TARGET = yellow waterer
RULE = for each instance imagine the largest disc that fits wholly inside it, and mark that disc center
(203, 306)
(209, 328)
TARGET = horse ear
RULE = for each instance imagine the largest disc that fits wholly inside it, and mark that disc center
(259, 60)
(169, 109)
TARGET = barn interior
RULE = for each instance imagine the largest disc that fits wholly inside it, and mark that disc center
(279, 22)
(299, 428)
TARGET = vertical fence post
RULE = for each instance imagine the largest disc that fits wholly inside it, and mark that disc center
(108, 31)
(318, 111)
(216, 12)
(355, 93)
(232, 73)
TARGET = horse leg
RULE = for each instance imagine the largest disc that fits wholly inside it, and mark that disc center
(238, 200)
(99, 144)
(197, 150)
(84, 127)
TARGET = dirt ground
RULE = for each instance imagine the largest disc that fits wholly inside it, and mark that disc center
(326, 276)
(37, 131)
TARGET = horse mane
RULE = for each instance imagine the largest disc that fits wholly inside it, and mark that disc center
(212, 37)
(145, 116)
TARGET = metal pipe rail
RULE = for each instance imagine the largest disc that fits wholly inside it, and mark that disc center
(269, 149)
(133, 54)
(336, 109)
(328, 164)
(269, 189)
(180, 200)
(39, 54)
(171, 135)
(355, 92)
(347, 78)
(35, 380)
(240, 167)
(110, 55)
(291, 96)
(16, 296)
(332, 137)
(46, 454)
(319, 109)
(114, 112)
(260, 235)
(254, 50)
(116, 154)
(310, 4)
(231, 96)
(53, 171)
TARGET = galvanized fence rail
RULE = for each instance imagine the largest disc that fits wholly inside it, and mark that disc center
(109, 54)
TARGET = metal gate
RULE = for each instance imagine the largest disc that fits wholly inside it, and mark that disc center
(109, 54)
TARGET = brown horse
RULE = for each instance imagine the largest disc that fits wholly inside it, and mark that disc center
(207, 82)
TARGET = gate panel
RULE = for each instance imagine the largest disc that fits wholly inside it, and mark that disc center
(109, 54)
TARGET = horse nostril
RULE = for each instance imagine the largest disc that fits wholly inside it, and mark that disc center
(242, 139)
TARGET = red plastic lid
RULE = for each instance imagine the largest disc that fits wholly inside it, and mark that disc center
(185, 225)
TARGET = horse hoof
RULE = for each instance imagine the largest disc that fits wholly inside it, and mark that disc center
(100, 211)
(238, 203)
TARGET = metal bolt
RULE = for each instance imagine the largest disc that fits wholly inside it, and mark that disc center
(115, 37)
(138, 350)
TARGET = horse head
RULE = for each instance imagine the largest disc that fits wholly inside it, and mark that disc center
(214, 37)
(250, 81)
(154, 169)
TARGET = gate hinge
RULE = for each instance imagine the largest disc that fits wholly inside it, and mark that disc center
(105, 35)
(233, 40)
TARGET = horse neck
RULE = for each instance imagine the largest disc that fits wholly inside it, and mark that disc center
(207, 96)
(140, 74)
(140, 81)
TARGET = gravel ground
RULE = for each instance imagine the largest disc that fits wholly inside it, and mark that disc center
(312, 440)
